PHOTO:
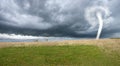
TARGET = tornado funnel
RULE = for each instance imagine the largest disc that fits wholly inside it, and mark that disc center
(100, 20)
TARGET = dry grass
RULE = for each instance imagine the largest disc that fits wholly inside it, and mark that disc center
(113, 44)
(102, 42)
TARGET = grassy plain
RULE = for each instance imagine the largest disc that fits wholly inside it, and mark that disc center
(104, 52)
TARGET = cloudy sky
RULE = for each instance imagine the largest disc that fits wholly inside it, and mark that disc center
(59, 18)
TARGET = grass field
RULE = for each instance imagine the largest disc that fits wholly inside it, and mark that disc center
(104, 52)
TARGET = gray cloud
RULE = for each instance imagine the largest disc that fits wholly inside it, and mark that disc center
(54, 18)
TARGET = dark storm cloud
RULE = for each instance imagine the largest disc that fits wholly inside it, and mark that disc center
(53, 18)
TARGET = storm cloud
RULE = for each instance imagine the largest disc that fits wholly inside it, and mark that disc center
(57, 18)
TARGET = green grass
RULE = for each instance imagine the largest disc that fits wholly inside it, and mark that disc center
(82, 55)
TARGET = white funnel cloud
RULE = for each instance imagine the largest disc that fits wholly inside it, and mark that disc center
(100, 20)
(97, 15)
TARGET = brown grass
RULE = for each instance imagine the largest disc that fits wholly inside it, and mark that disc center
(112, 44)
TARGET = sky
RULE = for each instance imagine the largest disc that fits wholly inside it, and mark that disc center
(58, 18)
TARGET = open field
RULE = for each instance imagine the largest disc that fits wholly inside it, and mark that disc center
(105, 52)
